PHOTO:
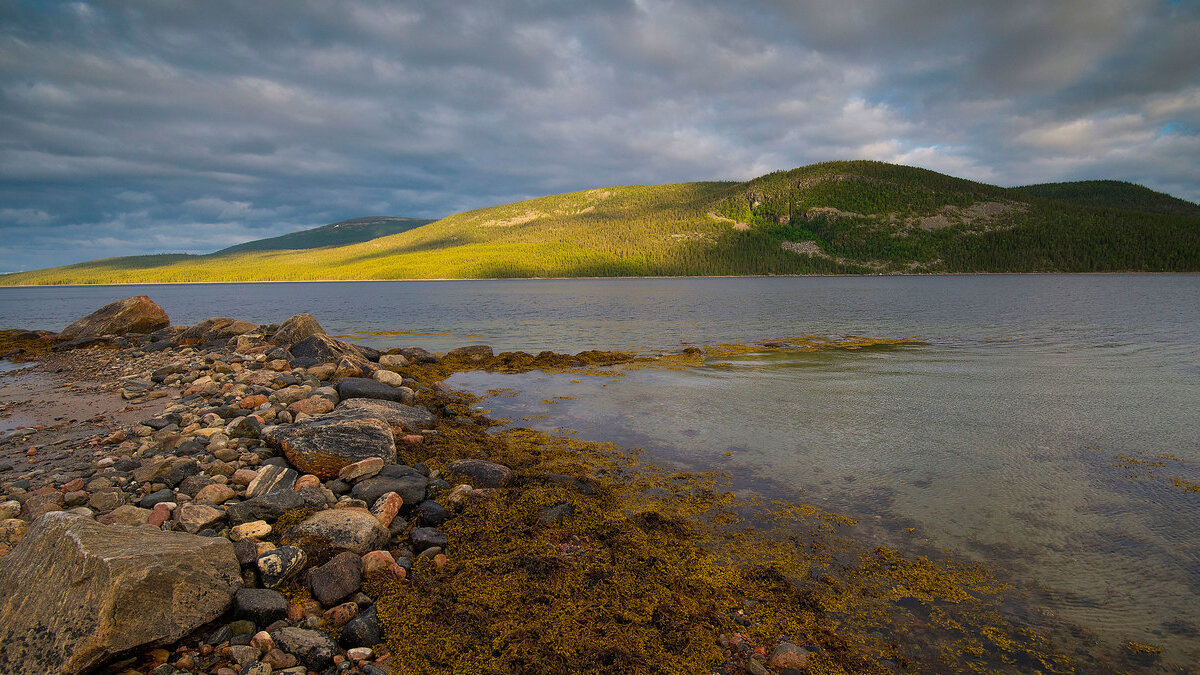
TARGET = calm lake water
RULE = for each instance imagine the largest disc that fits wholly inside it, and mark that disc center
(1048, 425)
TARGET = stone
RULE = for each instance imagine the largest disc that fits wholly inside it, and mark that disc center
(256, 668)
(257, 529)
(362, 469)
(12, 530)
(243, 477)
(276, 566)
(160, 514)
(324, 349)
(323, 445)
(393, 361)
(430, 513)
(216, 328)
(386, 507)
(154, 498)
(262, 640)
(341, 614)
(362, 387)
(427, 537)
(471, 353)
(788, 655)
(375, 561)
(312, 405)
(107, 499)
(263, 606)
(336, 579)
(359, 653)
(314, 649)
(278, 659)
(392, 380)
(126, 514)
(307, 481)
(271, 478)
(75, 593)
(243, 654)
(338, 530)
(556, 513)
(265, 507)
(196, 517)
(399, 416)
(252, 402)
(481, 473)
(138, 314)
(214, 494)
(249, 426)
(295, 329)
(410, 487)
(363, 630)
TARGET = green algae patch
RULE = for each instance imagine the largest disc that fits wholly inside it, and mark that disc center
(592, 560)
(26, 345)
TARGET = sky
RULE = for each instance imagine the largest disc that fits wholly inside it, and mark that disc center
(149, 126)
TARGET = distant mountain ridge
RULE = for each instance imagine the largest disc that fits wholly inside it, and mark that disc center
(335, 234)
(857, 217)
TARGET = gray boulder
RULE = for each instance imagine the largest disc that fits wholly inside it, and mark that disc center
(75, 593)
(324, 445)
(329, 532)
(398, 416)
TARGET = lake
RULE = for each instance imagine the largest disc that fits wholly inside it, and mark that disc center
(1046, 425)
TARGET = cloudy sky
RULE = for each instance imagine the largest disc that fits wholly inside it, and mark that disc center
(145, 126)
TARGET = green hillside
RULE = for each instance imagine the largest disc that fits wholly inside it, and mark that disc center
(335, 234)
(1115, 194)
(835, 217)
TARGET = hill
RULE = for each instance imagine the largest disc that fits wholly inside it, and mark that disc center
(335, 234)
(1113, 194)
(834, 217)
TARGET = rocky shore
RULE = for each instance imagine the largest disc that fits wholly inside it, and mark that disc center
(232, 498)
(229, 498)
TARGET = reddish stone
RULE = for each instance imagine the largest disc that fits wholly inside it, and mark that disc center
(313, 405)
(386, 508)
(252, 402)
(73, 486)
(307, 480)
(160, 514)
(341, 614)
(412, 439)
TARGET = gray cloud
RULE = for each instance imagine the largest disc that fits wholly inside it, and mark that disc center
(132, 126)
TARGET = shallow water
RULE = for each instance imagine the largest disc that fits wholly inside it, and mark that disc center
(999, 438)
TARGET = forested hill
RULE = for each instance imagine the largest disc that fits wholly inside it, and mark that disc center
(835, 217)
(335, 234)
(1115, 194)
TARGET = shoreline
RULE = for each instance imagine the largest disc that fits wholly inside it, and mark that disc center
(534, 513)
(715, 276)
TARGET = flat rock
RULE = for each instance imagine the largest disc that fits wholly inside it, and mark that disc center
(216, 328)
(337, 530)
(314, 649)
(410, 487)
(324, 445)
(263, 606)
(399, 416)
(364, 387)
(265, 507)
(481, 473)
(75, 593)
(138, 314)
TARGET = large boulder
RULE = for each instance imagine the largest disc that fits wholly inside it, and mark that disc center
(138, 314)
(323, 445)
(398, 416)
(296, 329)
(481, 473)
(74, 593)
(216, 328)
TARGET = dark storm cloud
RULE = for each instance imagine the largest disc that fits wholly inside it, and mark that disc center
(143, 126)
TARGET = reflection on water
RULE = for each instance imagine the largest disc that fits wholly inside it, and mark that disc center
(1002, 452)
